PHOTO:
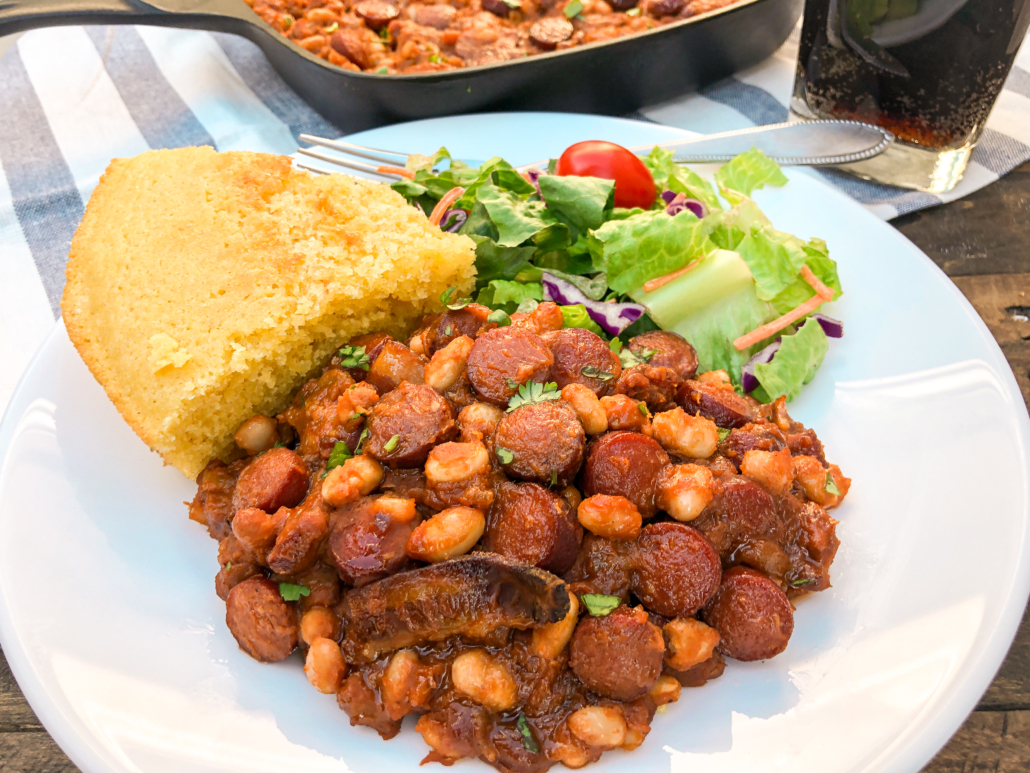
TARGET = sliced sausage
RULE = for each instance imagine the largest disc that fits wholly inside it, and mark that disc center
(723, 406)
(213, 505)
(498, 8)
(752, 437)
(545, 443)
(618, 656)
(237, 564)
(576, 349)
(625, 464)
(660, 8)
(677, 570)
(263, 624)
(299, 539)
(651, 384)
(277, 478)
(365, 706)
(740, 511)
(503, 359)
(406, 423)
(376, 13)
(471, 320)
(367, 538)
(806, 443)
(671, 350)
(529, 523)
(548, 32)
(394, 364)
(751, 614)
(256, 530)
(622, 5)
(439, 17)
(353, 45)
(602, 566)
(370, 344)
(700, 674)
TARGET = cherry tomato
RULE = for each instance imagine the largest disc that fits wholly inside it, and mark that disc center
(634, 186)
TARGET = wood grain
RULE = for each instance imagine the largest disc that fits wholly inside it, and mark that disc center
(995, 741)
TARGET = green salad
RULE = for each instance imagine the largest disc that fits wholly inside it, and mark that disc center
(703, 260)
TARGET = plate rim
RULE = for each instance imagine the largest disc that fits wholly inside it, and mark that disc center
(913, 749)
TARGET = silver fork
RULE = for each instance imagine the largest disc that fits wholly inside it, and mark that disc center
(806, 143)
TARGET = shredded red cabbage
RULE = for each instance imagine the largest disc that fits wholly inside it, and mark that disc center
(833, 328)
(679, 202)
(533, 175)
(612, 317)
(453, 220)
(748, 379)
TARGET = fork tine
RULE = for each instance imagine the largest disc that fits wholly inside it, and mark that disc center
(356, 165)
(373, 154)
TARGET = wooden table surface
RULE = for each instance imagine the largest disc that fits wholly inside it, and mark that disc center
(981, 243)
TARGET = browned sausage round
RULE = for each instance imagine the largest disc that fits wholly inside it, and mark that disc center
(671, 350)
(618, 656)
(723, 406)
(471, 320)
(677, 569)
(751, 437)
(625, 464)
(622, 5)
(351, 44)
(263, 624)
(376, 13)
(396, 363)
(603, 566)
(548, 32)
(438, 16)
(699, 675)
(503, 359)
(654, 385)
(529, 523)
(406, 423)
(751, 614)
(575, 349)
(660, 8)
(277, 478)
(367, 538)
(544, 443)
(740, 510)
(496, 7)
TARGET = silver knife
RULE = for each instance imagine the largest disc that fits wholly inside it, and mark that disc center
(806, 143)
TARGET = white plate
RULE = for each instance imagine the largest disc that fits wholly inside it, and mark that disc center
(110, 622)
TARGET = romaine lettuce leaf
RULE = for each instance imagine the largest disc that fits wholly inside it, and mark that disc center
(794, 365)
(645, 246)
(668, 174)
(774, 257)
(502, 294)
(515, 220)
(582, 202)
(746, 173)
(496, 262)
(799, 291)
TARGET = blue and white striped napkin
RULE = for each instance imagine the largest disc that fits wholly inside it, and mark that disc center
(73, 98)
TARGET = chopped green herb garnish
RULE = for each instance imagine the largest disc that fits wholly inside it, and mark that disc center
(228, 566)
(332, 27)
(506, 456)
(615, 345)
(384, 33)
(511, 383)
(527, 734)
(554, 478)
(280, 444)
(723, 433)
(291, 592)
(448, 331)
(598, 605)
(354, 357)
(391, 444)
(573, 9)
(633, 12)
(460, 303)
(590, 371)
(534, 392)
(630, 358)
(499, 317)
(383, 70)
(361, 440)
(286, 20)
(799, 583)
(831, 485)
(642, 408)
(338, 456)
(434, 58)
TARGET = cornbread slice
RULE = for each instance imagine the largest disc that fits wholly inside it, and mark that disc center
(205, 287)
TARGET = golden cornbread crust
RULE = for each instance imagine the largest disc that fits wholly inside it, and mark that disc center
(205, 287)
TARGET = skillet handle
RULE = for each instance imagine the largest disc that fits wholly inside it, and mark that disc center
(224, 15)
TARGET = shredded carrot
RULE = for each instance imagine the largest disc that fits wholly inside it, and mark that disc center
(444, 204)
(817, 285)
(397, 170)
(770, 328)
(653, 284)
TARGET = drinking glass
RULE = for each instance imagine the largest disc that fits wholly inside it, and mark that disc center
(927, 70)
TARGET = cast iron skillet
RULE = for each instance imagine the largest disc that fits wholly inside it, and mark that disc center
(613, 77)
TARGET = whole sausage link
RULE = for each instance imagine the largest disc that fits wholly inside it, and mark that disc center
(686, 435)
(611, 517)
(355, 478)
(588, 408)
